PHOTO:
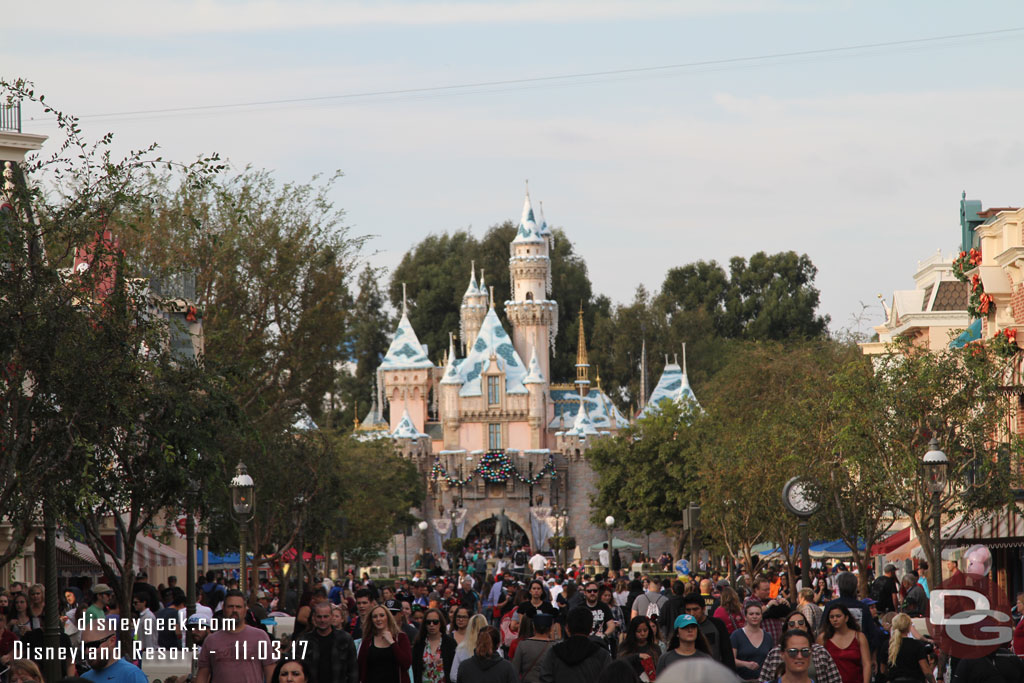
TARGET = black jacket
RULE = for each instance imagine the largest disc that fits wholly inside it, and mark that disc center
(577, 659)
(494, 669)
(344, 664)
(448, 646)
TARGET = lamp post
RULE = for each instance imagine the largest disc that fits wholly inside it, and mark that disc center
(242, 505)
(935, 464)
(531, 482)
(453, 514)
(609, 522)
(422, 526)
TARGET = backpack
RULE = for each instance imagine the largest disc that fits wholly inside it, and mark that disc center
(520, 559)
(878, 587)
(654, 608)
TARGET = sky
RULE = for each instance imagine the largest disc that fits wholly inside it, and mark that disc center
(775, 125)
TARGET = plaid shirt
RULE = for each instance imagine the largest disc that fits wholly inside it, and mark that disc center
(825, 670)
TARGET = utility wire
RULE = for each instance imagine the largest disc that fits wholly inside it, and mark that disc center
(563, 78)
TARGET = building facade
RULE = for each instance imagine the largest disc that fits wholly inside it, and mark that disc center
(492, 435)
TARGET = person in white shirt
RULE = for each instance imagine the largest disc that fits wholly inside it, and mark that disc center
(145, 632)
(604, 557)
(538, 562)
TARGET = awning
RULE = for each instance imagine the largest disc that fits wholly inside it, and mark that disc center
(972, 333)
(617, 543)
(892, 542)
(1003, 529)
(835, 549)
(150, 552)
(912, 548)
(76, 549)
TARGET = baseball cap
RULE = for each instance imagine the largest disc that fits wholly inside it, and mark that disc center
(101, 588)
(684, 620)
(393, 605)
(869, 602)
(197, 621)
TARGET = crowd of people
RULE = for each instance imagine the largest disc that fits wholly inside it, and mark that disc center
(521, 620)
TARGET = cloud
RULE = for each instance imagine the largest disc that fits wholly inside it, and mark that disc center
(120, 17)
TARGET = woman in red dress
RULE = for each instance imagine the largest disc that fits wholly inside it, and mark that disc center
(848, 647)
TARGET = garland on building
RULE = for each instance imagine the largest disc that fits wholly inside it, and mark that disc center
(494, 467)
(1004, 343)
(967, 260)
(980, 302)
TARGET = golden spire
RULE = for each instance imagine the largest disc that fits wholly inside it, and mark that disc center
(582, 367)
(355, 419)
(597, 369)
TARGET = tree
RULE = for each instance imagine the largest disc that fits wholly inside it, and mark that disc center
(646, 473)
(90, 391)
(762, 427)
(896, 403)
(370, 330)
(768, 297)
(274, 268)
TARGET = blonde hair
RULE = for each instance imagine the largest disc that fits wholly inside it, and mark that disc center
(27, 667)
(900, 627)
(476, 623)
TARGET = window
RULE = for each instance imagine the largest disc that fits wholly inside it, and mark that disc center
(493, 437)
(493, 390)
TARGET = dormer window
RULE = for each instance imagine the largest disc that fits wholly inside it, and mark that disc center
(493, 390)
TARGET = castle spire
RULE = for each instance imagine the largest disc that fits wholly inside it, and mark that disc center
(684, 359)
(403, 300)
(582, 367)
(472, 289)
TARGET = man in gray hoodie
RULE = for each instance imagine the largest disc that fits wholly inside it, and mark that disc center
(577, 659)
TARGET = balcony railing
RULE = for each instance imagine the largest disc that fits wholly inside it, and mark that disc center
(10, 116)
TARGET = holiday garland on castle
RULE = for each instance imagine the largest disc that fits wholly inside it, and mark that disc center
(494, 467)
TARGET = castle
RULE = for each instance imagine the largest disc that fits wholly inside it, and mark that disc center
(489, 432)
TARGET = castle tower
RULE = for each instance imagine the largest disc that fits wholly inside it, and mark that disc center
(451, 384)
(582, 367)
(533, 316)
(535, 384)
(472, 311)
(405, 375)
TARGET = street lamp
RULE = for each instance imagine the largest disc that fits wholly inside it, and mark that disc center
(242, 505)
(422, 526)
(609, 522)
(935, 464)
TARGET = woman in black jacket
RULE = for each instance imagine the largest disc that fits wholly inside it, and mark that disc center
(433, 651)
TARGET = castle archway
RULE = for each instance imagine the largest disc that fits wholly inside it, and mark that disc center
(485, 530)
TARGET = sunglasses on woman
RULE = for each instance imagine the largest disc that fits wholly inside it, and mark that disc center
(801, 652)
(796, 624)
(431, 622)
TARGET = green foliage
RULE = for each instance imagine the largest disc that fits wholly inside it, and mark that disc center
(646, 474)
(894, 404)
(453, 545)
(101, 420)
